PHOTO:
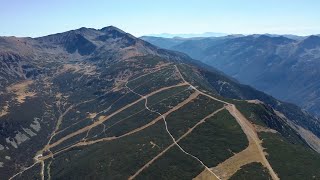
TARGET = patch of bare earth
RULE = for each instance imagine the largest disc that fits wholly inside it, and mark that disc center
(163, 64)
(121, 80)
(255, 101)
(85, 69)
(206, 175)
(21, 90)
(5, 110)
(130, 52)
(154, 145)
(92, 115)
(263, 129)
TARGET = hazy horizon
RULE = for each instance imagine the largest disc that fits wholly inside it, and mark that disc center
(38, 18)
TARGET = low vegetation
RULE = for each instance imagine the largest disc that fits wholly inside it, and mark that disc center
(216, 140)
(251, 170)
(287, 158)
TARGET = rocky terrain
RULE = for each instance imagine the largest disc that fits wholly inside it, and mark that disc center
(102, 104)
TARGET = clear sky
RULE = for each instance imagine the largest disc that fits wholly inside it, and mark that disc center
(139, 17)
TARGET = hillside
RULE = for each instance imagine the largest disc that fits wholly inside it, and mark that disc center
(102, 104)
(284, 66)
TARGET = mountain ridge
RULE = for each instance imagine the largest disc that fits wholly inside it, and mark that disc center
(126, 107)
(274, 64)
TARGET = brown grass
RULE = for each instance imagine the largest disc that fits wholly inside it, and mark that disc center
(21, 90)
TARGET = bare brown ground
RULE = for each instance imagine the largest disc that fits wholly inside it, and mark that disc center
(21, 90)
(255, 101)
(92, 115)
(84, 69)
(154, 144)
(130, 52)
(121, 80)
(206, 175)
(5, 110)
(59, 95)
(263, 129)
(151, 71)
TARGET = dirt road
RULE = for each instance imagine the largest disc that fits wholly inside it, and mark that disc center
(245, 124)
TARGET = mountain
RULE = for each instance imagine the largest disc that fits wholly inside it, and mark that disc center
(191, 35)
(102, 104)
(165, 43)
(290, 36)
(170, 43)
(283, 67)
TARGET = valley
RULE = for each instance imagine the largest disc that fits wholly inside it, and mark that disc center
(281, 65)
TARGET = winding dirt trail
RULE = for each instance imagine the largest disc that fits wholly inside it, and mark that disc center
(85, 143)
(174, 144)
(246, 126)
(252, 135)
(101, 120)
(191, 97)
(166, 125)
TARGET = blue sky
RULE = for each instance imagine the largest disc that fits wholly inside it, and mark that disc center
(139, 17)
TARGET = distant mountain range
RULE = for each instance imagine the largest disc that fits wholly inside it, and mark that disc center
(286, 67)
(191, 35)
(103, 104)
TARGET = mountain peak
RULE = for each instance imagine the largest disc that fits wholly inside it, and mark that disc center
(310, 42)
(112, 29)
